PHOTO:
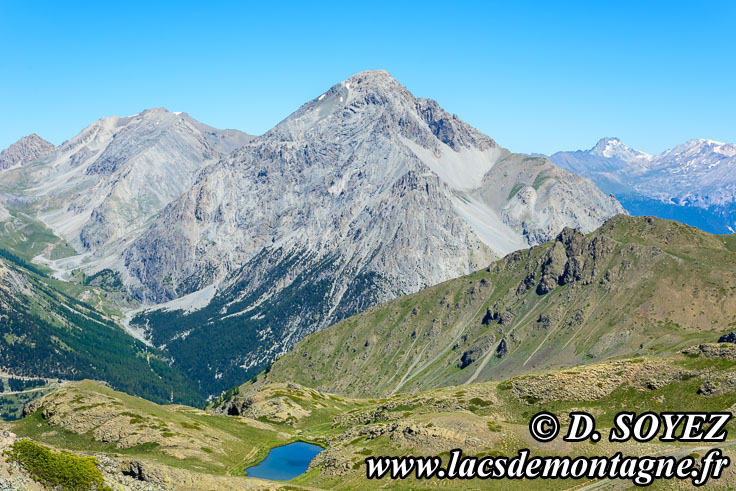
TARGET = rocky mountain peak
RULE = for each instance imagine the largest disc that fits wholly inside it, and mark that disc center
(614, 148)
(25, 150)
(104, 183)
(374, 103)
(697, 147)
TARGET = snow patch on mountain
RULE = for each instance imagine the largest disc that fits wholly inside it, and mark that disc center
(613, 148)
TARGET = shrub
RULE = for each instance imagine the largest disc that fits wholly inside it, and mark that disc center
(493, 426)
(476, 401)
(53, 469)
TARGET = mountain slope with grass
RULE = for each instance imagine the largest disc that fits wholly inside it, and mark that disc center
(145, 444)
(45, 331)
(636, 286)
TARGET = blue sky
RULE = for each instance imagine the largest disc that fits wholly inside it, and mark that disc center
(536, 76)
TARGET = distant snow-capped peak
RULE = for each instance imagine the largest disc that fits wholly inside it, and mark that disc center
(700, 171)
(701, 146)
(613, 148)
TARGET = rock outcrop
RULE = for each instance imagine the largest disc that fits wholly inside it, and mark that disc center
(573, 258)
(712, 351)
(728, 338)
(26, 150)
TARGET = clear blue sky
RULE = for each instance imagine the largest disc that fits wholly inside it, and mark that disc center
(536, 76)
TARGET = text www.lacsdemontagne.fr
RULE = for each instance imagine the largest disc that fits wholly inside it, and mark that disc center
(642, 471)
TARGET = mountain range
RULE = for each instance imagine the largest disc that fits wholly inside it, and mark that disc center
(623, 319)
(97, 190)
(372, 275)
(694, 182)
(222, 249)
(237, 246)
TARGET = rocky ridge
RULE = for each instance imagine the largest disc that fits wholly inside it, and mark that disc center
(567, 302)
(98, 189)
(26, 150)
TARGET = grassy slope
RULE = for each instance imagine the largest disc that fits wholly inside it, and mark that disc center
(483, 419)
(28, 237)
(175, 435)
(206, 429)
(647, 286)
(46, 332)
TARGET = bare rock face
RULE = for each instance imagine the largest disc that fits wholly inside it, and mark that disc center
(572, 257)
(26, 150)
(102, 186)
(502, 348)
(553, 268)
(339, 176)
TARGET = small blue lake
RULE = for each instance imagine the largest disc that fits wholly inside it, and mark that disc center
(285, 463)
